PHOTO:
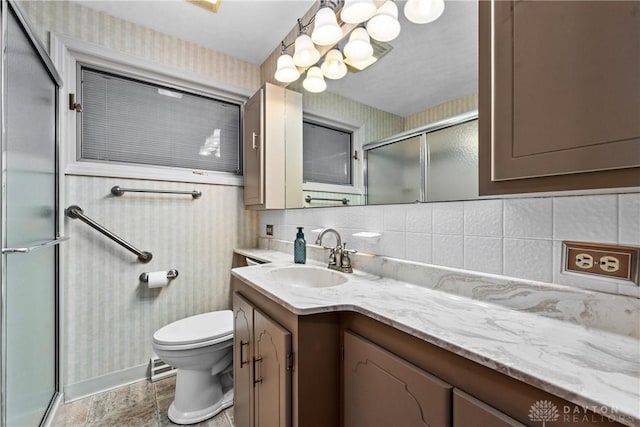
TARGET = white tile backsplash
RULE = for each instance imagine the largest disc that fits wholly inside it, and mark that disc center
(448, 218)
(629, 219)
(483, 218)
(516, 237)
(528, 258)
(447, 250)
(586, 218)
(529, 218)
(419, 218)
(483, 254)
(418, 247)
(394, 217)
(394, 244)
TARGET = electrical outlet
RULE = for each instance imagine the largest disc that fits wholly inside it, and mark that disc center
(609, 263)
(619, 262)
(584, 260)
(269, 230)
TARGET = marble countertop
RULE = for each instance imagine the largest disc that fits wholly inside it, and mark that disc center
(595, 369)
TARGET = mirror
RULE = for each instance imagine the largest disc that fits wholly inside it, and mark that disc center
(427, 74)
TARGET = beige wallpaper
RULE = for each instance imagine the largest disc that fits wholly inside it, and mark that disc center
(108, 316)
(442, 111)
(86, 24)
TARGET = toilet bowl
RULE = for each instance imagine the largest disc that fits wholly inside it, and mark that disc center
(200, 348)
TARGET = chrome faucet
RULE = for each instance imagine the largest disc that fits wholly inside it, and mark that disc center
(338, 256)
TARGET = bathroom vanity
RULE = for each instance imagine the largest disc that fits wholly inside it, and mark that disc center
(377, 351)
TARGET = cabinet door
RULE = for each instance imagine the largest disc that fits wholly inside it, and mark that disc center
(559, 104)
(272, 372)
(380, 389)
(242, 362)
(253, 148)
(471, 412)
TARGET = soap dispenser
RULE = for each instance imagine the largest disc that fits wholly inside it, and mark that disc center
(300, 248)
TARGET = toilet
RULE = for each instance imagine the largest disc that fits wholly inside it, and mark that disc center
(201, 349)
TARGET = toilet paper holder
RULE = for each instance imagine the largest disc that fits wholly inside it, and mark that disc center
(171, 274)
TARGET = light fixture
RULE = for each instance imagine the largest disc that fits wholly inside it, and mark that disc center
(305, 53)
(286, 71)
(423, 11)
(384, 25)
(210, 5)
(333, 66)
(326, 30)
(314, 82)
(359, 47)
(357, 11)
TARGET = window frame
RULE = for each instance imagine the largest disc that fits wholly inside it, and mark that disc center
(357, 171)
(68, 54)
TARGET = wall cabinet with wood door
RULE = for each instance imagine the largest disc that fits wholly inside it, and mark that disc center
(272, 146)
(262, 364)
(559, 104)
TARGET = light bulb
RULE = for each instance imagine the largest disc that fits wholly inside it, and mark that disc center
(333, 66)
(357, 11)
(305, 53)
(286, 71)
(359, 46)
(326, 30)
(384, 26)
(314, 82)
(423, 11)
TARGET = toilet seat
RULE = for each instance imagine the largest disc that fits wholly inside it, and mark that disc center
(196, 331)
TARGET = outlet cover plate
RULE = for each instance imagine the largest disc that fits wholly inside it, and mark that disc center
(269, 230)
(599, 259)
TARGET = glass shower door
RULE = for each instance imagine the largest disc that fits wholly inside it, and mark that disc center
(29, 207)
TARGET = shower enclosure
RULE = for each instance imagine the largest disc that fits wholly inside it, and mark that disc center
(436, 162)
(29, 233)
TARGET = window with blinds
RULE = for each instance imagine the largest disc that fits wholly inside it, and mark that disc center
(326, 154)
(124, 120)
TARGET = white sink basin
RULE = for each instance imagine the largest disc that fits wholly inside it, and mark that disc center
(306, 276)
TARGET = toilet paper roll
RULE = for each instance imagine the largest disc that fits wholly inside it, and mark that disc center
(157, 279)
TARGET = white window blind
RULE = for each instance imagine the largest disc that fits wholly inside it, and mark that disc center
(326, 154)
(129, 121)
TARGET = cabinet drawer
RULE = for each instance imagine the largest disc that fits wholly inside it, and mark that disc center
(381, 389)
(471, 412)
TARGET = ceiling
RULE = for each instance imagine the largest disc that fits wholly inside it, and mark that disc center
(429, 64)
(246, 29)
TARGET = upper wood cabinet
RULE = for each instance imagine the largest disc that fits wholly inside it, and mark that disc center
(559, 95)
(272, 146)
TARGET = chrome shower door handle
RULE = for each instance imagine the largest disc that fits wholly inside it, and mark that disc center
(28, 249)
(253, 140)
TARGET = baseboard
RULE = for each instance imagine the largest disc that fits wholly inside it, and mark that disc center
(105, 382)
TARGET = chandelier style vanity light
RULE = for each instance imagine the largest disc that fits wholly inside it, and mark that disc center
(372, 22)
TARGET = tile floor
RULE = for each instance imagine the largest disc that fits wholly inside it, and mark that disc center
(142, 404)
